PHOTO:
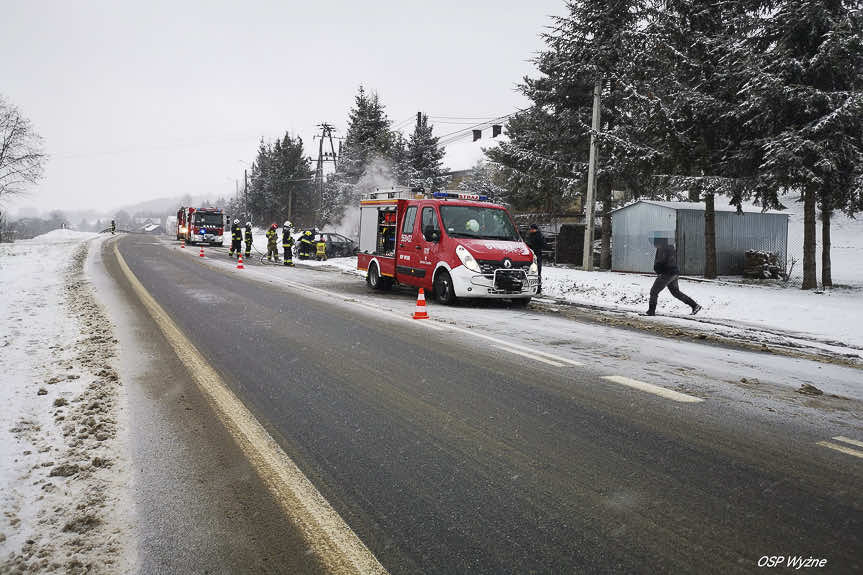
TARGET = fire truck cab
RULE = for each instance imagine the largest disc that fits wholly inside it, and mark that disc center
(454, 245)
(201, 225)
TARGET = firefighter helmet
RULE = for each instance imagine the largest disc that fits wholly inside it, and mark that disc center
(236, 221)
(288, 224)
(472, 225)
(248, 224)
(274, 226)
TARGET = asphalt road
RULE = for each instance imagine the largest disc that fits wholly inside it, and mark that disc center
(450, 455)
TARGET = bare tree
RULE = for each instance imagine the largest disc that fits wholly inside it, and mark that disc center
(21, 155)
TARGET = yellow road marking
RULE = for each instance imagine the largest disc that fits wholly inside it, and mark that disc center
(654, 389)
(338, 547)
(848, 440)
(841, 448)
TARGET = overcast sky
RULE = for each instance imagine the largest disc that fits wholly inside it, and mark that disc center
(152, 99)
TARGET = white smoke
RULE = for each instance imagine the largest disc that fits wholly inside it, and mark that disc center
(377, 176)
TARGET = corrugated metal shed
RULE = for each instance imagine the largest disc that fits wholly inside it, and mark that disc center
(634, 225)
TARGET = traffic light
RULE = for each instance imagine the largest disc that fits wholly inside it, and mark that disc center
(477, 134)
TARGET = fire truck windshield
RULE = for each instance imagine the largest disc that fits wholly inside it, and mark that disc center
(209, 220)
(478, 222)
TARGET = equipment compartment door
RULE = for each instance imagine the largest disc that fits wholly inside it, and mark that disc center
(408, 249)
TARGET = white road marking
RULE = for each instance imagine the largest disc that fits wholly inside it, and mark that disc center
(529, 355)
(512, 345)
(654, 389)
(841, 448)
(844, 439)
(323, 529)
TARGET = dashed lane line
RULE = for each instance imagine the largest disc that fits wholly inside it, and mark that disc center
(840, 448)
(325, 532)
(654, 389)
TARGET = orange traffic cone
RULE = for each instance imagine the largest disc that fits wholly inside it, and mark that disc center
(240, 263)
(421, 313)
(202, 252)
(183, 244)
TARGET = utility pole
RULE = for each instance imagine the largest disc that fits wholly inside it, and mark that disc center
(326, 133)
(587, 261)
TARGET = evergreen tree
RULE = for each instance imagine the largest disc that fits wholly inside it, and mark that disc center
(546, 160)
(425, 158)
(804, 98)
(483, 181)
(697, 92)
(366, 159)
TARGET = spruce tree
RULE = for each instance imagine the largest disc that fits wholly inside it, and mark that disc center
(425, 158)
(804, 98)
(546, 160)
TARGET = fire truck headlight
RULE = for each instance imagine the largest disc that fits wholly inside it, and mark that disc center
(533, 269)
(183, 229)
(467, 259)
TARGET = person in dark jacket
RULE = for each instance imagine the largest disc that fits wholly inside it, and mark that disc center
(248, 238)
(236, 239)
(536, 242)
(665, 266)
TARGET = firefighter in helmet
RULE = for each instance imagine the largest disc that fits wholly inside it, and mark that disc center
(307, 241)
(236, 238)
(248, 240)
(288, 243)
(272, 249)
(321, 248)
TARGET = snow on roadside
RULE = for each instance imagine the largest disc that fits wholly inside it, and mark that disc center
(63, 464)
(827, 316)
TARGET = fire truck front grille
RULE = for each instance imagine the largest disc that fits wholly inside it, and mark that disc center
(488, 266)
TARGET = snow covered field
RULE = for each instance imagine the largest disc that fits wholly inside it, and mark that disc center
(59, 408)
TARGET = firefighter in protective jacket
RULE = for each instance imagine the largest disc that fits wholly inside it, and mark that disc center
(321, 249)
(236, 239)
(288, 243)
(272, 248)
(307, 245)
(248, 240)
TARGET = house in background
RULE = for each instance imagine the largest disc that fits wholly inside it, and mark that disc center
(633, 226)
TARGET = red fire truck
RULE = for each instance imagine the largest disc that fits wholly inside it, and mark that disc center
(201, 225)
(454, 245)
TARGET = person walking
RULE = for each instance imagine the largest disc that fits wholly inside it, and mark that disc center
(272, 248)
(113, 227)
(667, 272)
(236, 239)
(536, 242)
(288, 243)
(248, 240)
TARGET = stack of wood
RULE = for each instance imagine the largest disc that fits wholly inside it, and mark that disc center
(761, 265)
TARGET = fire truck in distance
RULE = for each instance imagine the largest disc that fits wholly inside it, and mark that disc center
(201, 225)
(454, 245)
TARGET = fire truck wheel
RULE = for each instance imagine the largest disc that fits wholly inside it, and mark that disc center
(443, 288)
(521, 302)
(375, 281)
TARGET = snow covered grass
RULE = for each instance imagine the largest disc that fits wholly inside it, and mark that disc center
(58, 407)
(829, 316)
(846, 245)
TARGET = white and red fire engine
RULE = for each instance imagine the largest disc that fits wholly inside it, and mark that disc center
(201, 225)
(452, 244)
